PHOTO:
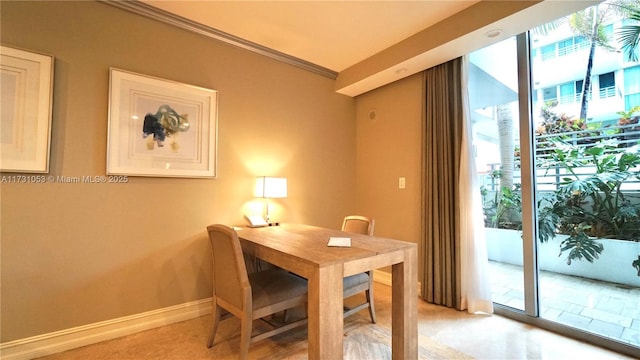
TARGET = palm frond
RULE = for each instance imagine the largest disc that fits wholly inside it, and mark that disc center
(629, 36)
(545, 29)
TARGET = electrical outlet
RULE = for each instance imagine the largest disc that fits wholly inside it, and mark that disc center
(401, 183)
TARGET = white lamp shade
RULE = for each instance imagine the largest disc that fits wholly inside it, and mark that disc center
(271, 187)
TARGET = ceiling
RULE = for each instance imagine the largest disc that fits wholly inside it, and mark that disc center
(362, 44)
(333, 34)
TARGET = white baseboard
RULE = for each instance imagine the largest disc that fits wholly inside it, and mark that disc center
(384, 277)
(55, 342)
(47, 344)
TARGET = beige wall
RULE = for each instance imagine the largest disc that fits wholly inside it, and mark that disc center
(389, 138)
(75, 254)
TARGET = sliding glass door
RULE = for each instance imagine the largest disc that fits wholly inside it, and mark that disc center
(556, 132)
(587, 164)
(493, 88)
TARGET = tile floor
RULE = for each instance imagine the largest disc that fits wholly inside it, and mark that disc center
(603, 308)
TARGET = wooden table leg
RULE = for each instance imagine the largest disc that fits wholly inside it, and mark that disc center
(326, 319)
(404, 307)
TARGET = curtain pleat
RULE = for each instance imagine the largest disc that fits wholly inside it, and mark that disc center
(454, 258)
(441, 251)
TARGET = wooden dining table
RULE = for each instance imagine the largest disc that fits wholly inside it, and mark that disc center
(303, 250)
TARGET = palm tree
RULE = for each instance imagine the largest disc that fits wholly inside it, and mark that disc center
(590, 25)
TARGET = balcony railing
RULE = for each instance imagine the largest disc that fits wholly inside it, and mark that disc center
(549, 178)
(607, 92)
(564, 50)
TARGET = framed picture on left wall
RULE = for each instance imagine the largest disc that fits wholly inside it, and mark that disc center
(161, 128)
(26, 81)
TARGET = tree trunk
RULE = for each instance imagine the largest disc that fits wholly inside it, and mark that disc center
(506, 141)
(507, 146)
(586, 84)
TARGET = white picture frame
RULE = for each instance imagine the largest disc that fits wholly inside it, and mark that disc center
(160, 128)
(26, 80)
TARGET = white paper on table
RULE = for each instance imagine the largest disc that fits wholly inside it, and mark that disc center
(339, 242)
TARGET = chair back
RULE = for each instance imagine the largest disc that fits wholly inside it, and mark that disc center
(358, 224)
(230, 280)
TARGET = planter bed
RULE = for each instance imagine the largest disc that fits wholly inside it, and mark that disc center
(614, 264)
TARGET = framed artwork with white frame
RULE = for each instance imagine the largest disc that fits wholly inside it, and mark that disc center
(25, 115)
(160, 128)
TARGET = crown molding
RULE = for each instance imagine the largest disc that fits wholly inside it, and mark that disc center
(151, 12)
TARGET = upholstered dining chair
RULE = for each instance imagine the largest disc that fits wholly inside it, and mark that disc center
(358, 283)
(249, 296)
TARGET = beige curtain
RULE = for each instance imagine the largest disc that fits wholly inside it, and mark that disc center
(453, 249)
(440, 250)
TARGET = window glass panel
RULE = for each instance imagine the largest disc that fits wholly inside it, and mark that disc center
(549, 94)
(631, 101)
(632, 80)
(631, 88)
(607, 80)
(548, 51)
(607, 85)
(565, 46)
(567, 92)
(582, 191)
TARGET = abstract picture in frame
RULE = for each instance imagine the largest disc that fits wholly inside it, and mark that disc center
(160, 128)
(25, 114)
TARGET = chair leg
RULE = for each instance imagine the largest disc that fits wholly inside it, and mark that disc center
(372, 310)
(369, 294)
(285, 316)
(246, 324)
(216, 321)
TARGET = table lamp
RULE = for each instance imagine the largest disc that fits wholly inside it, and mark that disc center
(269, 187)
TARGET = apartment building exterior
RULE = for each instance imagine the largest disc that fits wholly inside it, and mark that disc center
(559, 64)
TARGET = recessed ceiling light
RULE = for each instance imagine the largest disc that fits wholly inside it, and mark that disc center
(493, 33)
